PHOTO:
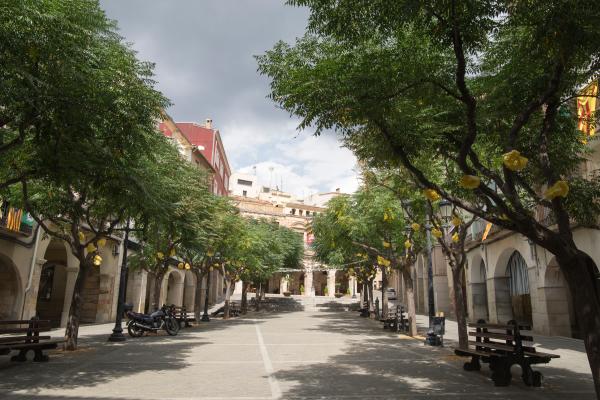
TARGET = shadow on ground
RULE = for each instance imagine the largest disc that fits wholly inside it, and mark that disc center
(387, 365)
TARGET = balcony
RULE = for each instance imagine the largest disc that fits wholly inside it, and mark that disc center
(15, 220)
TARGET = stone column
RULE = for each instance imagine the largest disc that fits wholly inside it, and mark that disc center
(136, 289)
(72, 273)
(30, 307)
(238, 287)
(352, 285)
(189, 293)
(331, 282)
(308, 280)
(283, 285)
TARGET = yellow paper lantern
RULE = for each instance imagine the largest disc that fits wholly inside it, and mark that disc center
(383, 261)
(81, 236)
(437, 233)
(160, 255)
(180, 265)
(90, 248)
(172, 253)
(455, 238)
(514, 161)
(407, 244)
(386, 244)
(97, 260)
(210, 253)
(431, 194)
(470, 182)
(210, 269)
(456, 221)
(415, 227)
(559, 189)
(188, 266)
(102, 242)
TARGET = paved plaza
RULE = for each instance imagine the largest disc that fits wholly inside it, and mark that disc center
(299, 351)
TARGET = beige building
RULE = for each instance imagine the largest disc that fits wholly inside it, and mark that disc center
(507, 277)
(313, 279)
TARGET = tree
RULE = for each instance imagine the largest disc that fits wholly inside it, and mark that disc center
(181, 223)
(66, 77)
(85, 210)
(482, 86)
(368, 231)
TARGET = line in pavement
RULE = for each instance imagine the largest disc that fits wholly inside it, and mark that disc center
(273, 384)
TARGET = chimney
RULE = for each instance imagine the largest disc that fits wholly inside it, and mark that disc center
(208, 124)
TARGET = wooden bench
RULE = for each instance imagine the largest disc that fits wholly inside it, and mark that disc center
(24, 335)
(396, 319)
(183, 316)
(502, 346)
(234, 309)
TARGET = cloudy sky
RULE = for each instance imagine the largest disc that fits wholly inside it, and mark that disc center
(203, 51)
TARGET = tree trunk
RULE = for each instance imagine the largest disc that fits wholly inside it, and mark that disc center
(371, 299)
(227, 298)
(257, 297)
(158, 278)
(459, 307)
(72, 329)
(198, 298)
(410, 302)
(580, 272)
(244, 305)
(384, 296)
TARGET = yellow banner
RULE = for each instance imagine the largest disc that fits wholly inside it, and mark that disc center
(486, 232)
(586, 108)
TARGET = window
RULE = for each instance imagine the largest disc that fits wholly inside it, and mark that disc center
(244, 182)
(307, 213)
(245, 193)
(299, 212)
(293, 211)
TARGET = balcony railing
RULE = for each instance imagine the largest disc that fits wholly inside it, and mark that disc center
(15, 219)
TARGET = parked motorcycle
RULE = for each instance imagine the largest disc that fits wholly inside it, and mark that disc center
(160, 319)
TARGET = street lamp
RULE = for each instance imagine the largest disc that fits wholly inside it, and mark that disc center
(445, 210)
(117, 335)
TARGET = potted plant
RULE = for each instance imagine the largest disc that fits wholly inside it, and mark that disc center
(338, 295)
(301, 289)
(326, 291)
(287, 294)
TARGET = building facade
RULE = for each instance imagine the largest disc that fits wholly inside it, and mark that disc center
(313, 278)
(209, 143)
(507, 277)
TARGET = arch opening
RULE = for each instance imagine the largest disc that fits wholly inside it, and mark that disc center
(10, 290)
(518, 284)
(52, 286)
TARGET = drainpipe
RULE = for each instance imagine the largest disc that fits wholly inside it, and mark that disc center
(31, 267)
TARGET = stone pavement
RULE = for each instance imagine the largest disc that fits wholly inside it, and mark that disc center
(321, 352)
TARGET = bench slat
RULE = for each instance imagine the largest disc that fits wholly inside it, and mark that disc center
(23, 330)
(52, 343)
(493, 345)
(17, 339)
(502, 336)
(497, 326)
(471, 352)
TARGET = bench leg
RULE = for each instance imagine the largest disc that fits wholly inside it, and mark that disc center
(500, 371)
(21, 357)
(531, 377)
(473, 365)
(40, 356)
